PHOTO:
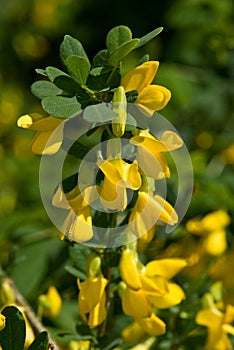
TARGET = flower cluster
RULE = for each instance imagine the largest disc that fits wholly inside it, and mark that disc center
(124, 194)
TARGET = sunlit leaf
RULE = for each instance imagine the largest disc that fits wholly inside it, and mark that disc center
(61, 106)
(43, 88)
(146, 38)
(122, 51)
(99, 113)
(79, 67)
(116, 37)
(71, 46)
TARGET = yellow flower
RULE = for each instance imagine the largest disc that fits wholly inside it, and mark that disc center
(148, 210)
(150, 97)
(149, 149)
(92, 300)
(80, 345)
(212, 230)
(119, 175)
(50, 303)
(152, 325)
(219, 325)
(148, 286)
(78, 223)
(45, 127)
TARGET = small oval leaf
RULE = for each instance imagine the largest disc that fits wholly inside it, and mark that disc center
(43, 88)
(12, 336)
(41, 342)
(146, 38)
(61, 106)
(122, 51)
(99, 113)
(78, 67)
(116, 37)
(71, 46)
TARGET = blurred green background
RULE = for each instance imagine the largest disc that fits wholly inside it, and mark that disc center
(196, 54)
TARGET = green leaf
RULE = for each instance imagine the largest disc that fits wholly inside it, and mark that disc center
(146, 38)
(12, 336)
(101, 58)
(122, 51)
(71, 46)
(41, 342)
(98, 78)
(75, 272)
(67, 84)
(116, 37)
(61, 106)
(53, 73)
(99, 113)
(43, 88)
(79, 67)
(41, 71)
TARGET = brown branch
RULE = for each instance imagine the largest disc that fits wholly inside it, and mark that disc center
(31, 316)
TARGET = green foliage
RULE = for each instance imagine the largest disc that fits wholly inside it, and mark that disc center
(12, 337)
(13, 334)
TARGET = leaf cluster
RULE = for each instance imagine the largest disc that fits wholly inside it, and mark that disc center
(85, 82)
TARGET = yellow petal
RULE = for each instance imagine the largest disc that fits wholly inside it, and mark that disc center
(132, 333)
(128, 269)
(98, 313)
(78, 225)
(43, 143)
(112, 196)
(136, 303)
(154, 97)
(140, 77)
(27, 121)
(121, 173)
(229, 314)
(92, 290)
(54, 302)
(216, 220)
(167, 268)
(228, 329)
(151, 165)
(153, 145)
(153, 325)
(168, 214)
(215, 242)
(142, 217)
(173, 297)
(211, 318)
(171, 140)
(156, 286)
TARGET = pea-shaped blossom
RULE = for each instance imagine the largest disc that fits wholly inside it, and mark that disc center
(148, 210)
(150, 151)
(147, 287)
(92, 300)
(78, 222)
(119, 175)
(211, 229)
(45, 127)
(150, 97)
(219, 325)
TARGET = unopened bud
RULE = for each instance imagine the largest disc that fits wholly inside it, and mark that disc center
(120, 107)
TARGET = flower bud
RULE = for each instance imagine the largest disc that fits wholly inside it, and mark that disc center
(120, 107)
